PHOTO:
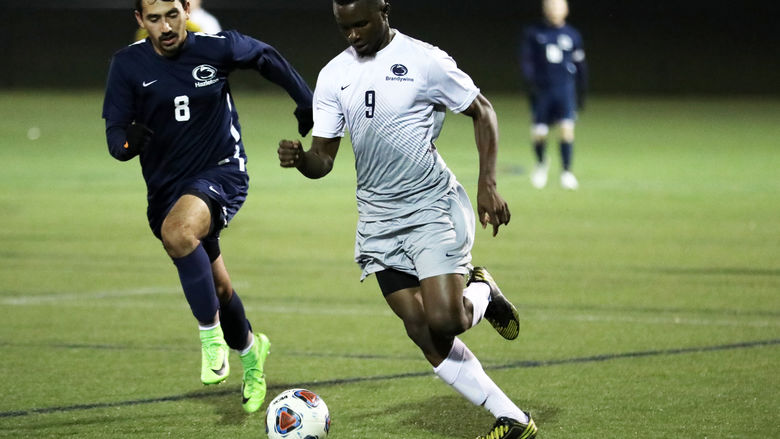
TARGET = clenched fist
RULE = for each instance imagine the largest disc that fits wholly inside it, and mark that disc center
(290, 153)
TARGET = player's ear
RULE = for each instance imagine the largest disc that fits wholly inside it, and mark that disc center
(139, 19)
(386, 9)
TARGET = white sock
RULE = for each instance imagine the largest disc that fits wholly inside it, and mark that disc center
(478, 293)
(463, 371)
(206, 328)
(248, 347)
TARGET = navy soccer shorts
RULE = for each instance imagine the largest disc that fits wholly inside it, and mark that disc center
(223, 188)
(552, 105)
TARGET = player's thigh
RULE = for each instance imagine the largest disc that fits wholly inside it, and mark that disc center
(190, 215)
(541, 107)
(564, 104)
(407, 304)
(433, 241)
(224, 188)
(441, 243)
(443, 295)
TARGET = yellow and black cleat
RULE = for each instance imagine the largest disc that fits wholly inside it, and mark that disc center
(500, 312)
(507, 428)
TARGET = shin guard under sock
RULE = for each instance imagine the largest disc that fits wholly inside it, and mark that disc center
(197, 282)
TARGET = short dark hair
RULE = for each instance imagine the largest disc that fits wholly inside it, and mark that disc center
(349, 2)
(140, 7)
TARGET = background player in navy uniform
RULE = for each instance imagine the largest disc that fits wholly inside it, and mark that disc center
(168, 101)
(554, 69)
(416, 224)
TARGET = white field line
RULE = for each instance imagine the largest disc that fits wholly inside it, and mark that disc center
(63, 299)
(93, 300)
(666, 320)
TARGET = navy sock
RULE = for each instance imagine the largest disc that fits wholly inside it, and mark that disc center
(539, 147)
(234, 324)
(198, 284)
(566, 154)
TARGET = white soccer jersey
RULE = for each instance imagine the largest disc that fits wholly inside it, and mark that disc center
(393, 106)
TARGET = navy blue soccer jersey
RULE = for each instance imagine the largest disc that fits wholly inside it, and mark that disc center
(185, 100)
(553, 56)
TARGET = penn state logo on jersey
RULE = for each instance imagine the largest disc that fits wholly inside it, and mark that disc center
(400, 73)
(204, 75)
(565, 42)
(399, 70)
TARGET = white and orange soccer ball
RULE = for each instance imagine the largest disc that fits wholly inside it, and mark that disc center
(297, 414)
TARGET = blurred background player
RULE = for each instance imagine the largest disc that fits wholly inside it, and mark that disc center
(200, 21)
(168, 101)
(555, 72)
(202, 18)
(416, 224)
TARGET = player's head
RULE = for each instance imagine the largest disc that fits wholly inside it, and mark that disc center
(555, 11)
(166, 23)
(364, 24)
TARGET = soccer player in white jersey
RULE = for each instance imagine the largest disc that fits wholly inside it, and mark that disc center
(416, 223)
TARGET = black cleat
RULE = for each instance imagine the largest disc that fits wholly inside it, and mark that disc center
(507, 428)
(500, 312)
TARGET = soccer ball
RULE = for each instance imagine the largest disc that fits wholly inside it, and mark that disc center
(297, 414)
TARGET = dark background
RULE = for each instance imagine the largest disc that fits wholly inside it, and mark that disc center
(691, 47)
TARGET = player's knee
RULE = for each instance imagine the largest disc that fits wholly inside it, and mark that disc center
(539, 132)
(567, 131)
(448, 322)
(178, 240)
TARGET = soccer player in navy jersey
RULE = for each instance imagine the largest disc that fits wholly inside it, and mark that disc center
(554, 69)
(168, 101)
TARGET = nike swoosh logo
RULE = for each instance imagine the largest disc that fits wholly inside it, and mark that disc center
(343, 87)
(211, 188)
(221, 370)
(147, 84)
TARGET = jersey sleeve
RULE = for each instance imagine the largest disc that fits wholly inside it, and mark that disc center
(448, 85)
(329, 120)
(578, 56)
(527, 57)
(247, 52)
(118, 99)
(117, 110)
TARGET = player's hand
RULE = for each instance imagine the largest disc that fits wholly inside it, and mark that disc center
(305, 120)
(290, 153)
(138, 137)
(492, 208)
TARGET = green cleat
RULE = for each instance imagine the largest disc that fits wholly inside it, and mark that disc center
(500, 312)
(215, 367)
(506, 428)
(253, 388)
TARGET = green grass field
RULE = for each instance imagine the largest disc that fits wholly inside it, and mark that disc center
(651, 296)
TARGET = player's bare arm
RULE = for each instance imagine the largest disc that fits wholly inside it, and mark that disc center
(491, 207)
(317, 162)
